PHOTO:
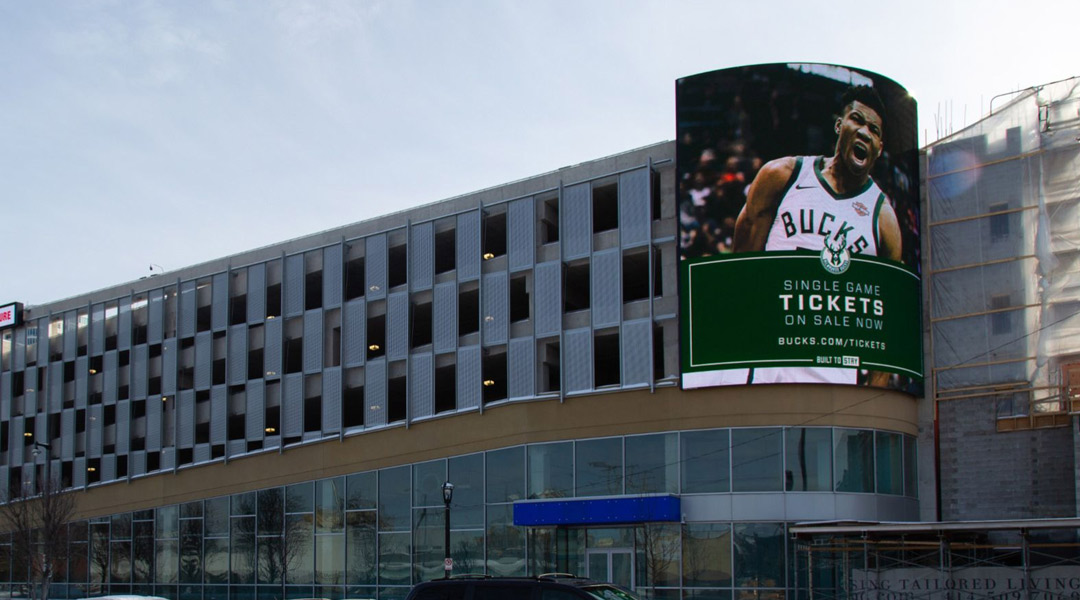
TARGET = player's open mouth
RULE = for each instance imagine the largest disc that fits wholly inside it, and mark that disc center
(860, 151)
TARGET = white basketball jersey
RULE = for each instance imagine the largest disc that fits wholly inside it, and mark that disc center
(809, 211)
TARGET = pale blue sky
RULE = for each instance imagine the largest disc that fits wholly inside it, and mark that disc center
(172, 133)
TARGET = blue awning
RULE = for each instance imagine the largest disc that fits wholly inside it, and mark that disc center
(598, 511)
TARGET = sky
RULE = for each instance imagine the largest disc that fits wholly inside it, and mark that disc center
(144, 132)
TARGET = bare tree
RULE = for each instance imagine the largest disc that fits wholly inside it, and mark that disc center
(659, 545)
(38, 523)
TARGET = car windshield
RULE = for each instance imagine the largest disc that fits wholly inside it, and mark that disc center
(608, 592)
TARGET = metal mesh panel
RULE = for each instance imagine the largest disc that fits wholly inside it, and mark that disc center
(186, 307)
(636, 349)
(521, 219)
(153, 424)
(97, 329)
(43, 342)
(375, 393)
(468, 377)
(201, 453)
(123, 426)
(579, 360)
(219, 302)
(123, 340)
(256, 293)
(468, 246)
(219, 418)
(137, 464)
(353, 324)
(56, 387)
(71, 336)
(169, 352)
(576, 226)
(421, 256)
(18, 427)
(5, 397)
(4, 484)
(444, 317)
(548, 298)
(185, 419)
(236, 447)
(204, 359)
(237, 364)
(108, 467)
(94, 424)
(521, 367)
(635, 211)
(168, 459)
(313, 341)
(421, 385)
(272, 349)
(139, 362)
(29, 398)
(155, 319)
(82, 377)
(496, 308)
(255, 412)
(293, 285)
(397, 326)
(111, 364)
(332, 276)
(41, 427)
(606, 288)
(292, 405)
(331, 400)
(67, 434)
(19, 358)
(78, 473)
(375, 267)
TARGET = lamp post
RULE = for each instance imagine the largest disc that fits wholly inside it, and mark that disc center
(38, 447)
(447, 496)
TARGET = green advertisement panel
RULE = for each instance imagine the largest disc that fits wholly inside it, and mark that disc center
(799, 239)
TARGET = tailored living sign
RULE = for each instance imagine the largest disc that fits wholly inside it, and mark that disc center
(977, 583)
(798, 228)
(10, 315)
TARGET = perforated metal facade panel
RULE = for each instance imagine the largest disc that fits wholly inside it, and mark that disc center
(636, 349)
(635, 208)
(256, 293)
(219, 307)
(153, 424)
(108, 467)
(521, 368)
(78, 473)
(237, 363)
(82, 377)
(332, 276)
(272, 349)
(521, 241)
(204, 359)
(547, 292)
(186, 308)
(19, 351)
(606, 287)
(219, 416)
(331, 400)
(353, 324)
(444, 318)
(255, 414)
(421, 256)
(94, 422)
(137, 463)
(375, 393)
(170, 349)
(576, 221)
(168, 459)
(71, 338)
(155, 312)
(5, 397)
(468, 377)
(495, 309)
(579, 360)
(140, 359)
(109, 377)
(97, 329)
(375, 267)
(18, 427)
(292, 287)
(313, 341)
(421, 385)
(56, 387)
(185, 419)
(43, 342)
(397, 326)
(123, 427)
(123, 341)
(468, 246)
(292, 405)
(201, 453)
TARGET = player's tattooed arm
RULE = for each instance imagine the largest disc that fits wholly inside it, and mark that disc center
(891, 244)
(756, 218)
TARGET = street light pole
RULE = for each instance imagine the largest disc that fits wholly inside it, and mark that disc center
(38, 446)
(447, 496)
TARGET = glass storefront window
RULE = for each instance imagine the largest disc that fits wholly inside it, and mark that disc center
(271, 504)
(360, 490)
(330, 505)
(854, 455)
(428, 479)
(706, 555)
(756, 459)
(216, 560)
(329, 559)
(911, 484)
(551, 470)
(360, 548)
(599, 467)
(299, 549)
(505, 474)
(705, 462)
(652, 464)
(242, 550)
(808, 459)
(467, 475)
(299, 498)
(658, 547)
(428, 543)
(394, 499)
(759, 555)
(889, 460)
(191, 555)
(505, 542)
(216, 517)
(395, 559)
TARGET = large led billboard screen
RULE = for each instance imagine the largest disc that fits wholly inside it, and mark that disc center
(798, 227)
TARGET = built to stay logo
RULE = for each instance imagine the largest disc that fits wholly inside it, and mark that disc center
(835, 256)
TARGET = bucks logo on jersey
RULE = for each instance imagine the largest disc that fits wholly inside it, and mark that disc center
(835, 256)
